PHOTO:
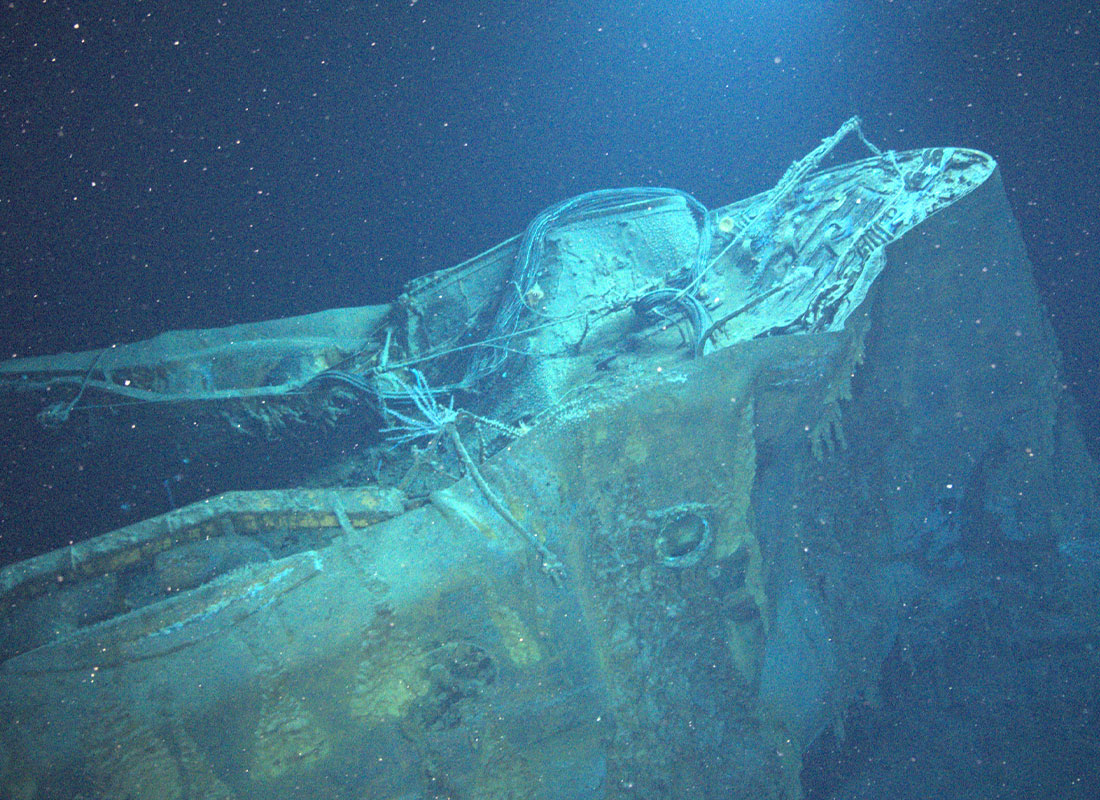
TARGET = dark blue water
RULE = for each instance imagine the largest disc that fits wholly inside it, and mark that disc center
(193, 165)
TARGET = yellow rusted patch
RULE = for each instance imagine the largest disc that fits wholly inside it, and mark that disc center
(388, 681)
(286, 737)
(519, 645)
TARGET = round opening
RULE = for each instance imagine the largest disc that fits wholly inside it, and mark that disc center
(683, 539)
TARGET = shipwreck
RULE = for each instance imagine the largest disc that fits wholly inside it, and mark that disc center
(643, 502)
